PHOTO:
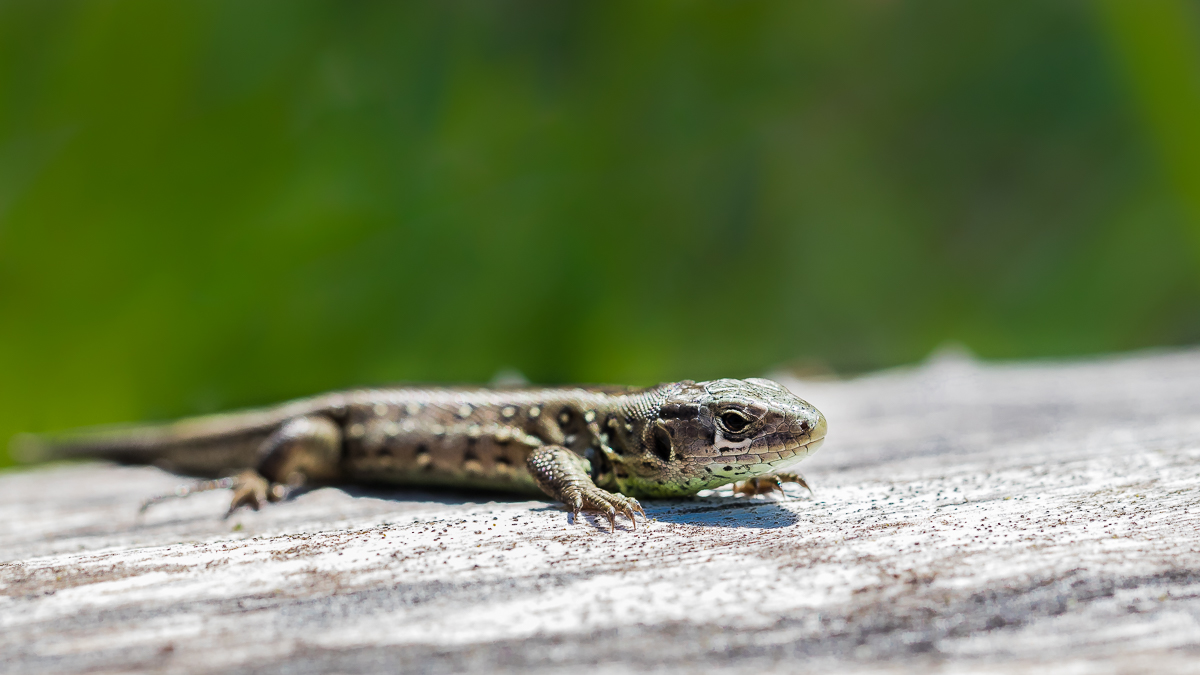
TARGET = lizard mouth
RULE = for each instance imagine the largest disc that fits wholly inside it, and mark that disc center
(782, 447)
(787, 453)
(813, 445)
(769, 460)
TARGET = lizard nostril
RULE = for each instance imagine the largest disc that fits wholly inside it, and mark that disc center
(805, 425)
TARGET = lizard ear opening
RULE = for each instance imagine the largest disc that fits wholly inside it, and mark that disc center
(661, 445)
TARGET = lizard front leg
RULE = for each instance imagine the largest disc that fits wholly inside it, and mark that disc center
(564, 476)
(762, 485)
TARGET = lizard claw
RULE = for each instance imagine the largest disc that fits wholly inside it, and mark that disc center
(631, 507)
(628, 512)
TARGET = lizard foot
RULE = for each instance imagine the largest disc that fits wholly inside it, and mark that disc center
(564, 475)
(251, 489)
(765, 484)
(592, 498)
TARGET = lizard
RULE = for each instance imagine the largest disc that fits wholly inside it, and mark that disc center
(594, 448)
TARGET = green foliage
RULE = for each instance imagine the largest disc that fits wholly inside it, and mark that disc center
(209, 204)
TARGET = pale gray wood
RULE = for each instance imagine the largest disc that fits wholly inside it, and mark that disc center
(967, 518)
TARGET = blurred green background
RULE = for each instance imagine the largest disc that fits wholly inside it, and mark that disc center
(214, 204)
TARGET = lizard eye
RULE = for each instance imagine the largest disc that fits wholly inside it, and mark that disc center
(734, 421)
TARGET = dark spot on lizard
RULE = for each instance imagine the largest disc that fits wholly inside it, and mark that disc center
(728, 468)
(679, 411)
(614, 440)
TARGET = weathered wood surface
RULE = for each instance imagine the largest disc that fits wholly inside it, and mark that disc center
(967, 518)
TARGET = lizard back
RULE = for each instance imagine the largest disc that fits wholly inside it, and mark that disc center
(422, 436)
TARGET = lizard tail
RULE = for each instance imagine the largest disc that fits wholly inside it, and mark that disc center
(30, 449)
(129, 444)
(204, 445)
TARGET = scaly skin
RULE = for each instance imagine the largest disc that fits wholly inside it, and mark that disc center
(593, 448)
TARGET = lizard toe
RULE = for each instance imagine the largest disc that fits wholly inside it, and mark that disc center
(608, 503)
(629, 513)
(630, 506)
(794, 478)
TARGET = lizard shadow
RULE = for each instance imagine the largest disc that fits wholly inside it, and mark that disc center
(736, 513)
(724, 511)
(448, 496)
(710, 511)
(454, 497)
(707, 511)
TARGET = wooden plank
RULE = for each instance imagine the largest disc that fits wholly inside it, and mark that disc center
(975, 517)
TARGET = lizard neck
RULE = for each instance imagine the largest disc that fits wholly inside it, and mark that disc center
(621, 439)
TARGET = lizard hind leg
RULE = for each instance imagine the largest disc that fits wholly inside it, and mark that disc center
(301, 450)
(249, 489)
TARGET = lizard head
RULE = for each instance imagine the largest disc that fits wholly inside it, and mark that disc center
(707, 434)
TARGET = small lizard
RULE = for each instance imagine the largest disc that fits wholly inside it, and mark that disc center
(592, 448)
